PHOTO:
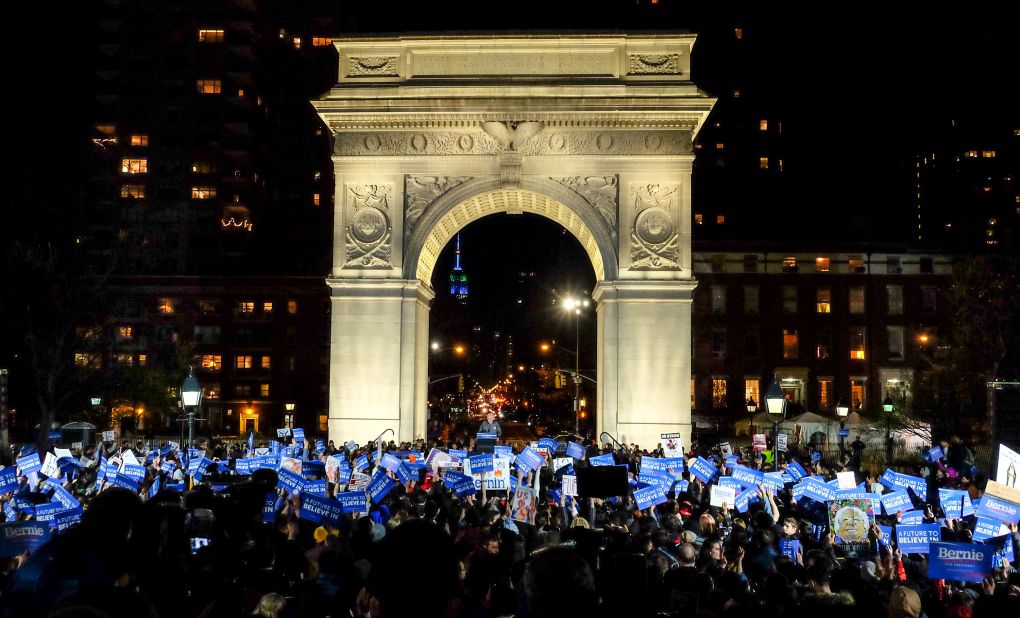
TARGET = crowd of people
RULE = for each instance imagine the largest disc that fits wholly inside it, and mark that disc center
(381, 530)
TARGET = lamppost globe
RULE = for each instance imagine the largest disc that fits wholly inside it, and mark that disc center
(191, 398)
(751, 406)
(842, 410)
(775, 401)
(887, 404)
(435, 346)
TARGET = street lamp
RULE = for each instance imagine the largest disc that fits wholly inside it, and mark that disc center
(887, 407)
(842, 411)
(288, 415)
(775, 407)
(575, 306)
(752, 407)
(191, 399)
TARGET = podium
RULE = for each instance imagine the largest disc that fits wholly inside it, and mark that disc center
(485, 443)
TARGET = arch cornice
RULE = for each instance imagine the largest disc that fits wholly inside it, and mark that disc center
(480, 197)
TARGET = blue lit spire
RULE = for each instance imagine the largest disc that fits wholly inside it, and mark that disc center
(458, 278)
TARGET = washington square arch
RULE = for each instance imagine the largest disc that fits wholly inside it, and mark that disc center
(432, 133)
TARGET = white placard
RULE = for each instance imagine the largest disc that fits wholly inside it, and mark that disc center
(722, 494)
(846, 480)
(496, 479)
(725, 449)
(559, 462)
(569, 485)
(49, 467)
(1007, 470)
(671, 446)
(109, 436)
(781, 442)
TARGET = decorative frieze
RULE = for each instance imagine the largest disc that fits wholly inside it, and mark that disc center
(420, 192)
(372, 66)
(602, 192)
(654, 64)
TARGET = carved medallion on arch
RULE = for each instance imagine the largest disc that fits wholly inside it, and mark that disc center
(369, 233)
(655, 234)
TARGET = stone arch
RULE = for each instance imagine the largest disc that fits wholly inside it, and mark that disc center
(475, 199)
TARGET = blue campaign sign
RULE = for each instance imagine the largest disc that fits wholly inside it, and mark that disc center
(531, 459)
(732, 461)
(343, 475)
(269, 508)
(745, 499)
(703, 470)
(458, 454)
(313, 467)
(817, 490)
(481, 463)
(935, 454)
(379, 486)
(361, 462)
(124, 481)
(485, 436)
(844, 433)
(987, 528)
(603, 460)
(503, 451)
(798, 491)
(681, 486)
(67, 519)
(796, 470)
(912, 518)
(816, 456)
(242, 466)
(773, 480)
(886, 538)
(390, 462)
(918, 484)
(669, 465)
(969, 562)
(54, 436)
(48, 512)
(320, 446)
(1003, 547)
(353, 501)
(915, 539)
(896, 501)
(651, 477)
(461, 484)
(550, 444)
(8, 480)
(953, 502)
(404, 474)
(298, 434)
(134, 472)
(289, 480)
(19, 537)
(167, 467)
(575, 450)
(789, 548)
(649, 496)
(997, 508)
(729, 481)
(320, 510)
(62, 496)
(29, 463)
(317, 488)
(154, 488)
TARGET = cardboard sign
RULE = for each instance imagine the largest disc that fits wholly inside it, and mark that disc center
(796, 471)
(109, 436)
(912, 518)
(846, 480)
(569, 485)
(289, 481)
(725, 449)
(722, 495)
(850, 521)
(8, 480)
(353, 502)
(896, 501)
(997, 508)
(789, 548)
(988, 528)
(19, 537)
(523, 503)
(969, 562)
(497, 479)
(389, 462)
(1007, 468)
(649, 496)
(298, 434)
(916, 539)
(747, 476)
(480, 463)
(529, 458)
(379, 486)
(781, 441)
(575, 450)
(671, 446)
(317, 509)
(703, 469)
(758, 442)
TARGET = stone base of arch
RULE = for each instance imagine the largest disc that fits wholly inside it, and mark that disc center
(644, 360)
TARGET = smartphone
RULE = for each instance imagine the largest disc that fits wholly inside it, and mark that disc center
(198, 542)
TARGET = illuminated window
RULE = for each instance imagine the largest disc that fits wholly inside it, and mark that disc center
(789, 264)
(856, 264)
(720, 146)
(132, 192)
(988, 154)
(140, 140)
(789, 299)
(321, 41)
(106, 129)
(267, 307)
(895, 335)
(856, 343)
(165, 306)
(209, 86)
(202, 167)
(858, 391)
(211, 391)
(971, 154)
(780, 164)
(124, 359)
(203, 192)
(264, 390)
(125, 333)
(242, 361)
(323, 423)
(210, 36)
(790, 344)
(751, 390)
(315, 199)
(736, 94)
(823, 300)
(751, 299)
(824, 392)
(87, 360)
(134, 166)
(763, 125)
(720, 219)
(698, 219)
(738, 33)
(718, 392)
(292, 307)
(719, 344)
(317, 176)
(763, 163)
(266, 362)
(143, 359)
(296, 41)
(212, 362)
(894, 294)
(822, 264)
(823, 345)
(246, 306)
(718, 293)
(856, 294)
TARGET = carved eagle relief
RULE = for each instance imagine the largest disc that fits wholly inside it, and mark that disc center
(509, 135)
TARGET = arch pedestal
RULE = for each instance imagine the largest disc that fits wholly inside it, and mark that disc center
(595, 133)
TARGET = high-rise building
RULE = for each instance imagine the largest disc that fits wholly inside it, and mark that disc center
(459, 279)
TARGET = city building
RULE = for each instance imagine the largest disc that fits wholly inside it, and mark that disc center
(847, 325)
